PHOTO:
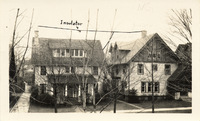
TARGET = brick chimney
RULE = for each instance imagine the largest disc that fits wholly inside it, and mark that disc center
(36, 38)
(144, 33)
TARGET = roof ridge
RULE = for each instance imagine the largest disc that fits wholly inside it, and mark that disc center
(66, 39)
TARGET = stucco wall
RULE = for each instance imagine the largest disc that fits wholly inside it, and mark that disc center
(159, 76)
(42, 79)
(136, 79)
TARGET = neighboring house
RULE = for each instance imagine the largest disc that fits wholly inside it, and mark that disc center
(181, 79)
(66, 64)
(132, 61)
(27, 72)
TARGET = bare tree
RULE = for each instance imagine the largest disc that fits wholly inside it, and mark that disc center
(181, 23)
(17, 58)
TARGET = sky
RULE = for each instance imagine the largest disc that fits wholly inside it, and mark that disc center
(128, 15)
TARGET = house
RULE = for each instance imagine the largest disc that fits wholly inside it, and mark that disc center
(181, 79)
(135, 61)
(67, 64)
(27, 71)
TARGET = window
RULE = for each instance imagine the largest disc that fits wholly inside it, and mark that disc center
(95, 70)
(154, 66)
(76, 52)
(167, 69)
(124, 69)
(72, 52)
(43, 70)
(67, 53)
(157, 87)
(58, 52)
(156, 55)
(67, 69)
(149, 87)
(140, 69)
(143, 87)
(62, 52)
(73, 69)
(67, 50)
(43, 88)
(81, 52)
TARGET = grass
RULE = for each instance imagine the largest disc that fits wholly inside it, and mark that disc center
(35, 108)
(110, 107)
(164, 104)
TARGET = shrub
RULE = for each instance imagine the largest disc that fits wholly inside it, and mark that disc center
(42, 98)
(34, 94)
(132, 92)
(46, 98)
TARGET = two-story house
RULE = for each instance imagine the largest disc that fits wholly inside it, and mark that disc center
(136, 62)
(181, 79)
(67, 64)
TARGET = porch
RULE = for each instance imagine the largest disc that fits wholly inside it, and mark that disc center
(70, 87)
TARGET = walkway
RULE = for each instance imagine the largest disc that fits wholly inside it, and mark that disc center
(22, 105)
(150, 110)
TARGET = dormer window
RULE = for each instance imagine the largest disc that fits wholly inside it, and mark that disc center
(62, 53)
(72, 52)
(76, 52)
(81, 52)
(67, 52)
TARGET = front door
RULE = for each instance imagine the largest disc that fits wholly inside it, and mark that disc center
(72, 90)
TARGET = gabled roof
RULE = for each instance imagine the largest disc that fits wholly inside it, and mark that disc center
(132, 46)
(180, 72)
(136, 46)
(42, 53)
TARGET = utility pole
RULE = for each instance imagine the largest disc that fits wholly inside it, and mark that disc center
(115, 85)
(115, 95)
(152, 77)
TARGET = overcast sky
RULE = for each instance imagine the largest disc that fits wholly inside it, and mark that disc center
(135, 15)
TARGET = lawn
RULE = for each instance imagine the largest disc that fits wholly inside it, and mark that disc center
(35, 108)
(120, 106)
(110, 107)
(164, 104)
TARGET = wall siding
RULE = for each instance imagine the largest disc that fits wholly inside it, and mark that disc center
(159, 76)
(42, 79)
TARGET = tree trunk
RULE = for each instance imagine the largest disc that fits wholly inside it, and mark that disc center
(84, 100)
(94, 103)
(55, 100)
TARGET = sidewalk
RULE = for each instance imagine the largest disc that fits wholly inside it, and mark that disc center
(138, 109)
(22, 105)
(150, 110)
